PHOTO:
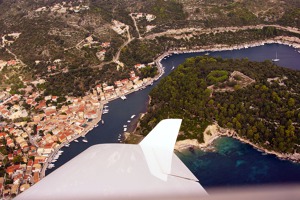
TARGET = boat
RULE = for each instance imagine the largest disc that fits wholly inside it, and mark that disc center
(102, 121)
(123, 97)
(275, 59)
(299, 51)
(125, 129)
(76, 140)
(53, 161)
(128, 121)
(105, 106)
(50, 166)
(84, 140)
(132, 116)
(206, 54)
(125, 126)
(67, 145)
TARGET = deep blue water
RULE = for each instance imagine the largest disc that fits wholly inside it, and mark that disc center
(233, 163)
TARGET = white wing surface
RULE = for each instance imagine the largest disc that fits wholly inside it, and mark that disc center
(123, 171)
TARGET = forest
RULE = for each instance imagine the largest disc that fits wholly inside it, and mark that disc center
(266, 112)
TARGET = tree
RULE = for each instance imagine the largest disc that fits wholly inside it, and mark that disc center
(291, 102)
(17, 159)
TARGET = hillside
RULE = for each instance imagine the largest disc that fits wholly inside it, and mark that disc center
(75, 33)
(257, 99)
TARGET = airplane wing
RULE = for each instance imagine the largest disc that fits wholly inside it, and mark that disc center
(120, 171)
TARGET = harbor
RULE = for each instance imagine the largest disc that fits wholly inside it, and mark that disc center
(120, 113)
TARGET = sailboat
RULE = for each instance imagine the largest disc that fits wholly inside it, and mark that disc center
(173, 66)
(276, 59)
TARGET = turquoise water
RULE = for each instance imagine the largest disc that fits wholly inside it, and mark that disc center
(233, 163)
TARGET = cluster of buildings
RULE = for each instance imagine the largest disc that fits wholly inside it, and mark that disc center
(30, 136)
(33, 127)
(121, 87)
(148, 17)
(65, 7)
(90, 42)
(9, 39)
(119, 27)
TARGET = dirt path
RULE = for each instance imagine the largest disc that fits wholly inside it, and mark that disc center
(217, 30)
(135, 24)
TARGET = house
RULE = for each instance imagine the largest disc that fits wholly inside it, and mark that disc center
(2, 64)
(105, 44)
(41, 105)
(11, 62)
(109, 89)
(132, 74)
(10, 143)
(89, 39)
(139, 66)
(150, 17)
(124, 81)
(102, 52)
(24, 187)
(139, 15)
(91, 115)
(54, 98)
(118, 83)
(36, 177)
(50, 110)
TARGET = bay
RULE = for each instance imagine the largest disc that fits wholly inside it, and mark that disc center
(232, 163)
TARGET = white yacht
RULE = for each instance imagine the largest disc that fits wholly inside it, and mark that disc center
(123, 97)
(132, 116)
(275, 59)
(76, 140)
(84, 140)
(50, 166)
(125, 129)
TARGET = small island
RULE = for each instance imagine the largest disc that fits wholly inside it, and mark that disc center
(255, 102)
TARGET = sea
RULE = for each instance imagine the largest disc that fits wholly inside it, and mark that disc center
(230, 163)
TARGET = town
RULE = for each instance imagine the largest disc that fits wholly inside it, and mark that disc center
(35, 127)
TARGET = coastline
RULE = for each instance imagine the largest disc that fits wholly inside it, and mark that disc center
(290, 41)
(216, 132)
(97, 120)
(283, 40)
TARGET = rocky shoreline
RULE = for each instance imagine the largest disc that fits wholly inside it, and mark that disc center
(214, 131)
(284, 40)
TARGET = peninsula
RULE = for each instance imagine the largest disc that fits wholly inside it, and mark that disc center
(251, 101)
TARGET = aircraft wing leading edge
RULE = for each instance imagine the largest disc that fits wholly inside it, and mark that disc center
(119, 171)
